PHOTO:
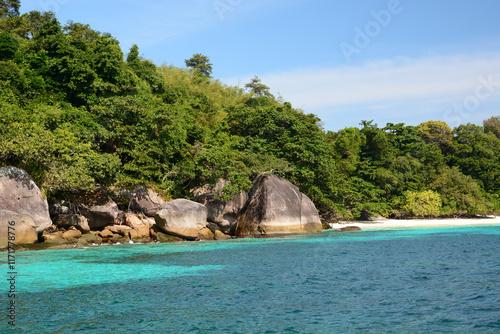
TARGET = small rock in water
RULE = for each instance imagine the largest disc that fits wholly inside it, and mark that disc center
(350, 229)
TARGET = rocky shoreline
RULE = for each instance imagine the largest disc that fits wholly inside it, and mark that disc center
(273, 207)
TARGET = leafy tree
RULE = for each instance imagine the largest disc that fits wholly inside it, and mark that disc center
(12, 78)
(347, 148)
(56, 159)
(294, 137)
(26, 25)
(378, 147)
(436, 132)
(258, 88)
(9, 8)
(145, 70)
(201, 64)
(133, 55)
(492, 125)
(80, 31)
(477, 153)
(422, 204)
(108, 59)
(8, 46)
(460, 193)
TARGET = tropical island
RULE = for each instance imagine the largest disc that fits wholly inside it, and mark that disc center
(109, 137)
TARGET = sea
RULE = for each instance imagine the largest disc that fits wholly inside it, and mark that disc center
(417, 280)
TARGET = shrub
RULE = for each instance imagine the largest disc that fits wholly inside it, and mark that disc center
(422, 204)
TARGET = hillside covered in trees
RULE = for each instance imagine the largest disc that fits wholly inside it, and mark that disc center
(83, 117)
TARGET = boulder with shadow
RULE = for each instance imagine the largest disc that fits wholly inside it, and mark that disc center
(275, 207)
(145, 200)
(20, 194)
(22, 229)
(100, 214)
(223, 213)
(182, 218)
(78, 221)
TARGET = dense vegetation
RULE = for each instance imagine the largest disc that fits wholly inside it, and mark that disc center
(81, 116)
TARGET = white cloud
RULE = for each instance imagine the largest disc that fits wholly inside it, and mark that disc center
(400, 89)
(439, 77)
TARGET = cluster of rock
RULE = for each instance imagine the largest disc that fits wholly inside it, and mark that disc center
(272, 207)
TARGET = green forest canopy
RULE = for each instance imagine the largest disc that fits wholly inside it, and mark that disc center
(80, 116)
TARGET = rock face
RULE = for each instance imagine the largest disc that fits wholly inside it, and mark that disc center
(275, 206)
(72, 235)
(88, 240)
(218, 235)
(122, 230)
(80, 222)
(24, 228)
(56, 239)
(205, 234)
(182, 218)
(100, 215)
(365, 215)
(141, 227)
(145, 200)
(19, 193)
(106, 234)
(224, 214)
(58, 208)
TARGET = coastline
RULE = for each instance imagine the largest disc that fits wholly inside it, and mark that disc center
(363, 225)
(418, 223)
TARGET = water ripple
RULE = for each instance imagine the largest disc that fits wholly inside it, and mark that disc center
(422, 281)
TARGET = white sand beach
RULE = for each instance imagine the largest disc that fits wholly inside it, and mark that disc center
(416, 223)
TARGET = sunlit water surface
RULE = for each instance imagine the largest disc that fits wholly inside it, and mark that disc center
(441, 280)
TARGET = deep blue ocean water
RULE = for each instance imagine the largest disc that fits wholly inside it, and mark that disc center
(440, 280)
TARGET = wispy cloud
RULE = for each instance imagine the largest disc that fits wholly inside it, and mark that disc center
(393, 80)
(435, 83)
(158, 22)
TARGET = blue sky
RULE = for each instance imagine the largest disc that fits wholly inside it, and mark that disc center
(398, 61)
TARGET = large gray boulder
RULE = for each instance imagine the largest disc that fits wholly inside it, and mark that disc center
(224, 214)
(22, 228)
(19, 193)
(100, 214)
(145, 200)
(182, 218)
(275, 207)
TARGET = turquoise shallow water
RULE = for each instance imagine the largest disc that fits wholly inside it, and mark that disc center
(441, 280)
